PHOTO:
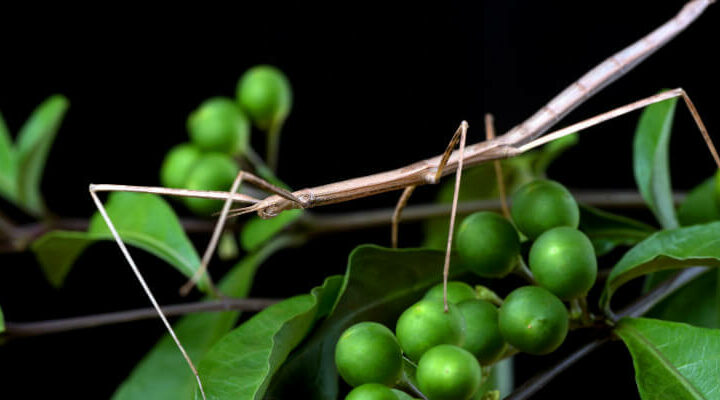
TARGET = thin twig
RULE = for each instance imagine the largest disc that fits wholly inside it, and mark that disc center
(314, 223)
(23, 329)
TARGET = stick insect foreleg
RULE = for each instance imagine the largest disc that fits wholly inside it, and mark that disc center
(229, 198)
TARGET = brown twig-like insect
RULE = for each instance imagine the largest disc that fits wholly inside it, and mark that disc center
(518, 140)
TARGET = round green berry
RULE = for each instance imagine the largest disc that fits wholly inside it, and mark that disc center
(219, 125)
(542, 205)
(371, 391)
(177, 165)
(563, 261)
(488, 244)
(448, 372)
(457, 292)
(533, 320)
(368, 352)
(425, 324)
(212, 171)
(265, 94)
(482, 331)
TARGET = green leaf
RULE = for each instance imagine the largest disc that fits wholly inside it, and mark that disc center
(696, 303)
(242, 363)
(672, 360)
(163, 374)
(651, 160)
(8, 164)
(379, 285)
(33, 145)
(142, 220)
(696, 245)
(258, 231)
(607, 230)
(2, 321)
(700, 205)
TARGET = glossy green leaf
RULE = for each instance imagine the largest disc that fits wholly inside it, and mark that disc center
(163, 373)
(697, 245)
(8, 164)
(258, 231)
(241, 364)
(651, 160)
(32, 146)
(607, 230)
(2, 321)
(379, 285)
(142, 220)
(672, 360)
(700, 205)
(697, 303)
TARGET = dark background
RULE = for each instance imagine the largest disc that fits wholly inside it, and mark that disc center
(376, 87)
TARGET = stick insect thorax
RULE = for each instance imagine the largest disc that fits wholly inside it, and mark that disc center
(504, 146)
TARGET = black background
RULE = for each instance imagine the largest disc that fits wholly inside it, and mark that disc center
(376, 86)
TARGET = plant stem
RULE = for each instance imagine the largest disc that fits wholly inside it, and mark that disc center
(24, 329)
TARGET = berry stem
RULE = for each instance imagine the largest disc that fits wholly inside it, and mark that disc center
(523, 271)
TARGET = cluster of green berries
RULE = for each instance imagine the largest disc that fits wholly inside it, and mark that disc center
(219, 131)
(533, 319)
(448, 347)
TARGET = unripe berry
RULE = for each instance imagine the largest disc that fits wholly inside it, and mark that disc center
(368, 352)
(488, 244)
(265, 94)
(219, 125)
(541, 205)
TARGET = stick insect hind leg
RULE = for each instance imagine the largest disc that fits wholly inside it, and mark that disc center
(229, 198)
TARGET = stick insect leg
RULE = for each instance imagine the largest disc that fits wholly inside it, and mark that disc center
(402, 202)
(670, 94)
(140, 278)
(398, 212)
(490, 135)
(453, 211)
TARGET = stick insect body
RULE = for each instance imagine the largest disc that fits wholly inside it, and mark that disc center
(518, 140)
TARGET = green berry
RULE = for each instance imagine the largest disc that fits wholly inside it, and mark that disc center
(371, 391)
(482, 331)
(457, 292)
(212, 171)
(265, 94)
(368, 352)
(542, 205)
(488, 244)
(219, 125)
(425, 324)
(177, 165)
(448, 372)
(563, 261)
(533, 320)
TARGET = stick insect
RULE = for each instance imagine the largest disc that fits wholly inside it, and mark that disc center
(518, 140)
